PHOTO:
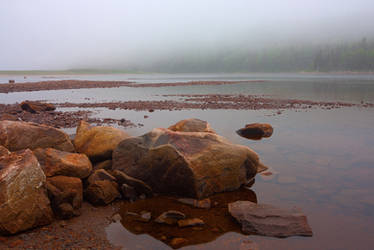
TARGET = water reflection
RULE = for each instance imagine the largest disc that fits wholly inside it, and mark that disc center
(218, 222)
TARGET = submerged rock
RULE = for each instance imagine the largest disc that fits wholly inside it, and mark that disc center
(23, 198)
(66, 194)
(267, 220)
(191, 222)
(56, 162)
(177, 242)
(256, 131)
(170, 217)
(98, 142)
(16, 135)
(35, 107)
(190, 164)
(205, 203)
(192, 125)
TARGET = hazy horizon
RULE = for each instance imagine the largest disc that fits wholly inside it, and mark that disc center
(46, 35)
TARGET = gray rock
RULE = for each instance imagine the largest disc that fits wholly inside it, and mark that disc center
(267, 220)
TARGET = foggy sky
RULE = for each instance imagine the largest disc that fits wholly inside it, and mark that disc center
(52, 34)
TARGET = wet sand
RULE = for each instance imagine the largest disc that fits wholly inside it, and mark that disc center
(84, 232)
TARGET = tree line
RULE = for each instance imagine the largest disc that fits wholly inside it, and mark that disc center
(354, 56)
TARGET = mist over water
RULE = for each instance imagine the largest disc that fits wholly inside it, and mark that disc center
(157, 35)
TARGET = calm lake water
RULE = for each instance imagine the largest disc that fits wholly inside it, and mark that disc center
(322, 160)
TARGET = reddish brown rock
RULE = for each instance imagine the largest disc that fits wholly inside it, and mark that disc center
(4, 151)
(101, 192)
(35, 107)
(8, 117)
(56, 162)
(106, 165)
(65, 194)
(189, 164)
(98, 142)
(178, 242)
(256, 131)
(23, 200)
(267, 220)
(192, 125)
(16, 135)
(100, 175)
(191, 222)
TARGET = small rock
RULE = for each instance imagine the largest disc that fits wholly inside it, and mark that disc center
(205, 203)
(191, 222)
(215, 230)
(177, 242)
(63, 224)
(163, 238)
(100, 175)
(192, 125)
(35, 107)
(116, 218)
(170, 217)
(146, 116)
(145, 216)
(101, 192)
(256, 131)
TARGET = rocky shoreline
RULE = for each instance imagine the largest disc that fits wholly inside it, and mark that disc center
(80, 84)
(47, 177)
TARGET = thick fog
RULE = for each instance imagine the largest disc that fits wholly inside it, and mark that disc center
(122, 34)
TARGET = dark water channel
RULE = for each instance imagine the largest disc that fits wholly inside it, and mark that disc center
(322, 160)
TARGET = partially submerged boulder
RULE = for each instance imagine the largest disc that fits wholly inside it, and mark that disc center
(23, 200)
(35, 107)
(190, 164)
(267, 220)
(66, 194)
(56, 162)
(98, 142)
(192, 125)
(16, 135)
(256, 131)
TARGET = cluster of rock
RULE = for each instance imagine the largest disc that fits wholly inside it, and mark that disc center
(43, 174)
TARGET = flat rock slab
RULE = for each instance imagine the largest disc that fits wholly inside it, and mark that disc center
(267, 220)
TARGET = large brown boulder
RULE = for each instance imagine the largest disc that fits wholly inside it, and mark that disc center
(35, 107)
(98, 142)
(66, 194)
(16, 135)
(192, 164)
(23, 200)
(56, 162)
(192, 125)
(256, 131)
(267, 220)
